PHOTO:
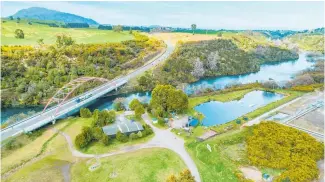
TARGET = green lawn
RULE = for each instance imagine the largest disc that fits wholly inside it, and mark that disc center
(143, 165)
(220, 164)
(37, 31)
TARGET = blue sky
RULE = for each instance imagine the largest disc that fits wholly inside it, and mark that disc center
(216, 15)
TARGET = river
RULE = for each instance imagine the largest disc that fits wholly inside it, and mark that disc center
(280, 72)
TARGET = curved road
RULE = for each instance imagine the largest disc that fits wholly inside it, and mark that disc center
(162, 139)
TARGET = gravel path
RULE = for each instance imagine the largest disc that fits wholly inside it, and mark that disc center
(162, 139)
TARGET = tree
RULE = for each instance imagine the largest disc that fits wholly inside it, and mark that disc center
(18, 19)
(193, 27)
(85, 113)
(19, 34)
(95, 117)
(118, 104)
(11, 18)
(271, 84)
(118, 28)
(97, 133)
(165, 98)
(213, 58)
(146, 82)
(64, 40)
(134, 104)
(81, 141)
(105, 117)
(139, 110)
(198, 69)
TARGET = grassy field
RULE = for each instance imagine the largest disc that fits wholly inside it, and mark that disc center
(49, 168)
(143, 165)
(37, 31)
(220, 164)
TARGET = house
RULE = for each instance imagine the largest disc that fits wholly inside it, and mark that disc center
(126, 127)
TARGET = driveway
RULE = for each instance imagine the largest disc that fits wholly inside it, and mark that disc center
(162, 139)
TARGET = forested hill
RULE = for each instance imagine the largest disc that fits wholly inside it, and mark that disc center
(47, 14)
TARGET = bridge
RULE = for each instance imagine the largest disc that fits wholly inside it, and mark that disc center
(65, 106)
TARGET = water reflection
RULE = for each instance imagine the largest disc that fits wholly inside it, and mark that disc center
(218, 112)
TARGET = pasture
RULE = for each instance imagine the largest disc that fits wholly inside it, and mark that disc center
(37, 31)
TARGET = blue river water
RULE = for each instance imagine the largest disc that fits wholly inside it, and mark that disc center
(280, 72)
(216, 112)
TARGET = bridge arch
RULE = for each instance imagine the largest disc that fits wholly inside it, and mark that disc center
(63, 93)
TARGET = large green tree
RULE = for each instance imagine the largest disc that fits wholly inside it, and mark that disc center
(167, 98)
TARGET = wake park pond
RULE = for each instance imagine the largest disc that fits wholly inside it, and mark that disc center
(280, 72)
(216, 112)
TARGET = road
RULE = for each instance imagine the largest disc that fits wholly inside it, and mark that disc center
(51, 114)
(265, 115)
(162, 139)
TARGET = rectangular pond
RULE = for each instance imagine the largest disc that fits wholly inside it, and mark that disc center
(216, 112)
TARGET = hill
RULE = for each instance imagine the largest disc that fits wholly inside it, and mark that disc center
(39, 30)
(47, 14)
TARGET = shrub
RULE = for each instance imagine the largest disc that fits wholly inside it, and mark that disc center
(13, 144)
(19, 34)
(238, 121)
(105, 140)
(139, 134)
(133, 136)
(277, 146)
(161, 121)
(85, 113)
(121, 137)
(184, 176)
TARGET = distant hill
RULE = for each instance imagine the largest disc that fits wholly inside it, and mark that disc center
(47, 14)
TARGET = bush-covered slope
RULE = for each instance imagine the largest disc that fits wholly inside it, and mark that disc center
(277, 146)
(33, 74)
(195, 60)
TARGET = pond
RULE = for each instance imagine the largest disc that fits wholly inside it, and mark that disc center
(280, 71)
(216, 112)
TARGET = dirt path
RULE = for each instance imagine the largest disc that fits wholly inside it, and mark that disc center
(162, 139)
(252, 173)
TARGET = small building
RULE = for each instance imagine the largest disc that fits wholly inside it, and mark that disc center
(125, 128)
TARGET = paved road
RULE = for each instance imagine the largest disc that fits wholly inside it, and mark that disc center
(67, 107)
(162, 139)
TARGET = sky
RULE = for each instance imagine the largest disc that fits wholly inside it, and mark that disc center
(206, 15)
